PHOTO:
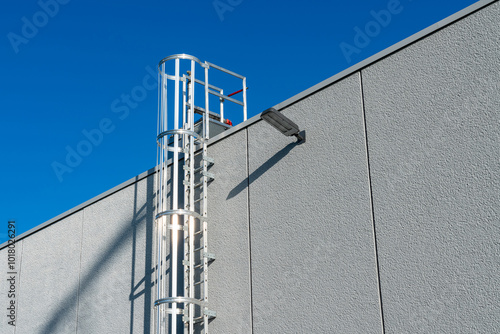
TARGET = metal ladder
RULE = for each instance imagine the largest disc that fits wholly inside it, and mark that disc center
(185, 309)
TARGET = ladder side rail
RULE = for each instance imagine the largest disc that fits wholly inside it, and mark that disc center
(184, 97)
(192, 205)
(204, 237)
(204, 202)
(185, 142)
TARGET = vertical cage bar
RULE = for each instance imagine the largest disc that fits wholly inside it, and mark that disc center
(175, 201)
(244, 99)
(204, 201)
(191, 113)
(185, 145)
(221, 106)
(192, 207)
(184, 104)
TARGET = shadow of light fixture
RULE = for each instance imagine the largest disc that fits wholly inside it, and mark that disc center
(283, 124)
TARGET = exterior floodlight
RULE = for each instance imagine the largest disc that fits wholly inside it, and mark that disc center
(283, 124)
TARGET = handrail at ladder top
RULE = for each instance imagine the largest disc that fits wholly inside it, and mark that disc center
(225, 97)
(222, 96)
(204, 64)
(225, 70)
(203, 83)
(207, 65)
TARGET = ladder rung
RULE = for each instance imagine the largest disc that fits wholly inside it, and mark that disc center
(208, 159)
(210, 314)
(209, 175)
(209, 256)
(187, 184)
(198, 200)
(196, 170)
(198, 232)
(198, 249)
(197, 320)
(198, 152)
(198, 283)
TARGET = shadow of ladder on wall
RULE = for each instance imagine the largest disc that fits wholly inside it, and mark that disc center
(196, 254)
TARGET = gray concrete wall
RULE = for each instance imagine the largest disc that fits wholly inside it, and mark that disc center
(228, 237)
(50, 278)
(116, 271)
(90, 272)
(385, 221)
(433, 125)
(313, 260)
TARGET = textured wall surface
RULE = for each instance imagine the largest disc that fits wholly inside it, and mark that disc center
(49, 279)
(116, 275)
(433, 124)
(385, 221)
(313, 259)
(90, 272)
(228, 237)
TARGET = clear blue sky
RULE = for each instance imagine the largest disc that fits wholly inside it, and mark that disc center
(63, 63)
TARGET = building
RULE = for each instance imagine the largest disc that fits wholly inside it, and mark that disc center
(387, 220)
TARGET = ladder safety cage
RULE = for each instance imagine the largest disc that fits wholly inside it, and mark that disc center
(182, 256)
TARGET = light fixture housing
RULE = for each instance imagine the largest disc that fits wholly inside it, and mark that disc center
(283, 124)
